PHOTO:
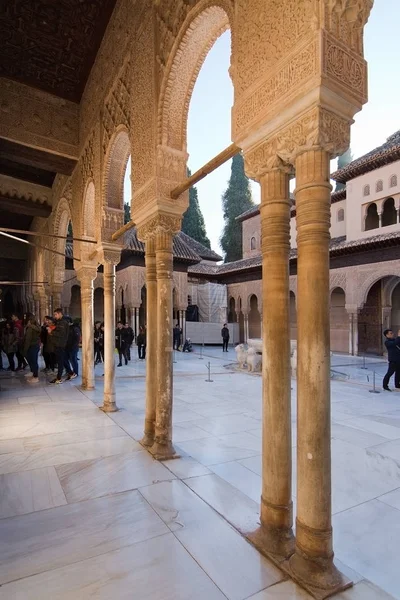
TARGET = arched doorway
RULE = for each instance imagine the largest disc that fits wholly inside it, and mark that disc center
(339, 321)
(395, 316)
(254, 318)
(232, 316)
(293, 316)
(75, 304)
(370, 322)
(389, 213)
(371, 217)
(98, 304)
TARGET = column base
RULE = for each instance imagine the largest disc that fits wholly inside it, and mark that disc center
(163, 451)
(109, 406)
(87, 388)
(147, 440)
(275, 541)
(318, 576)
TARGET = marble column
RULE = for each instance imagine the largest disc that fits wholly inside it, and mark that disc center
(275, 535)
(353, 331)
(43, 306)
(151, 342)
(162, 448)
(137, 324)
(56, 294)
(109, 398)
(246, 327)
(86, 277)
(312, 562)
(183, 326)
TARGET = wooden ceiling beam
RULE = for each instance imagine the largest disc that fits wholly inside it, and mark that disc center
(24, 207)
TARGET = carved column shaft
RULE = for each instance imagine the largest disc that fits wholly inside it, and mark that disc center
(151, 341)
(163, 447)
(109, 401)
(313, 558)
(275, 533)
(86, 278)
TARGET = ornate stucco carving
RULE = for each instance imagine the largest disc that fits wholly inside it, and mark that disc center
(112, 219)
(117, 106)
(24, 190)
(38, 119)
(160, 223)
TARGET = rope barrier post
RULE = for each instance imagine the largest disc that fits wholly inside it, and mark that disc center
(208, 367)
(364, 367)
(374, 390)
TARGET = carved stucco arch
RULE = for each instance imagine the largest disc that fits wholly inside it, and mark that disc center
(388, 289)
(62, 218)
(115, 161)
(203, 26)
(365, 286)
(89, 210)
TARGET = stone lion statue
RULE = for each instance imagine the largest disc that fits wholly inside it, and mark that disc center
(241, 355)
(253, 361)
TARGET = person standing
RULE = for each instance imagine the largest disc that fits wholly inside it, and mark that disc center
(121, 343)
(177, 331)
(19, 332)
(31, 347)
(48, 345)
(130, 336)
(141, 343)
(392, 344)
(59, 336)
(97, 350)
(225, 337)
(10, 344)
(72, 349)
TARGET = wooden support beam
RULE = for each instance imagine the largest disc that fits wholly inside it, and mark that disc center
(25, 207)
(208, 168)
(51, 235)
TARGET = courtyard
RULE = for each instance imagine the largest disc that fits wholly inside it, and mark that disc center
(85, 512)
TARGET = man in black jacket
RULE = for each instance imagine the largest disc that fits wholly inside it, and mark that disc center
(72, 349)
(60, 336)
(121, 343)
(225, 337)
(392, 344)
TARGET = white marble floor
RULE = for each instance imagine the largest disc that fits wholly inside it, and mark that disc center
(85, 512)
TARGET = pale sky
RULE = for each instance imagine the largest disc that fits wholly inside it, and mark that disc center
(209, 124)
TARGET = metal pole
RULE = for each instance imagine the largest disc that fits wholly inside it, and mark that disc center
(202, 345)
(374, 390)
(51, 235)
(208, 367)
(364, 367)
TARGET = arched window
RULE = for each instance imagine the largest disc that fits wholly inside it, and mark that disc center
(367, 190)
(340, 215)
(253, 243)
(379, 186)
(389, 213)
(372, 217)
(393, 181)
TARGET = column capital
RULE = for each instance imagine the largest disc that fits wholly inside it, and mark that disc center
(109, 254)
(262, 159)
(159, 223)
(86, 272)
(57, 288)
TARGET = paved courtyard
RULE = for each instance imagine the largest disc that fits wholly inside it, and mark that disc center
(86, 513)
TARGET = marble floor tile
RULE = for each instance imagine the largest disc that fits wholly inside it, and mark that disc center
(227, 424)
(72, 437)
(186, 431)
(254, 463)
(215, 410)
(65, 454)
(30, 491)
(110, 475)
(186, 467)
(43, 399)
(10, 446)
(234, 566)
(237, 508)
(391, 449)
(50, 539)
(241, 478)
(366, 538)
(365, 590)
(354, 436)
(131, 424)
(388, 431)
(156, 569)
(392, 498)
(287, 590)
(212, 451)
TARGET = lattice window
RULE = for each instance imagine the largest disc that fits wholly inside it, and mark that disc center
(393, 181)
(340, 215)
(379, 186)
(253, 243)
(367, 190)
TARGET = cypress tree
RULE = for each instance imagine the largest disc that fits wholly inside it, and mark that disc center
(235, 201)
(127, 212)
(343, 160)
(193, 221)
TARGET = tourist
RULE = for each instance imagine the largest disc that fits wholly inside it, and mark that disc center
(48, 349)
(130, 338)
(59, 336)
(121, 343)
(31, 347)
(177, 332)
(141, 343)
(72, 349)
(19, 332)
(9, 344)
(98, 354)
(392, 344)
(225, 338)
(187, 346)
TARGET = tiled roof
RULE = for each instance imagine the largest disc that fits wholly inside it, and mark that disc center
(255, 210)
(204, 252)
(338, 246)
(382, 155)
(337, 196)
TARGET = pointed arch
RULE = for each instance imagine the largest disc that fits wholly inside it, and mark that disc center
(116, 160)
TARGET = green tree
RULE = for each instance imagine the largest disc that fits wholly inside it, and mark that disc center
(127, 212)
(235, 201)
(193, 221)
(343, 160)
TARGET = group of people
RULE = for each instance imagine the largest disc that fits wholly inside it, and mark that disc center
(58, 337)
(124, 338)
